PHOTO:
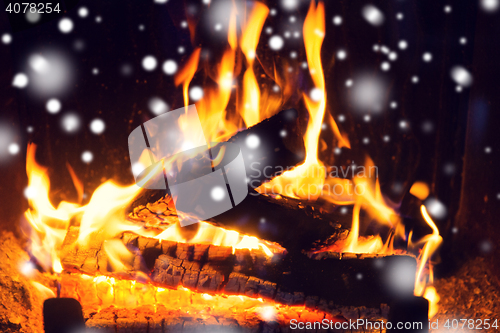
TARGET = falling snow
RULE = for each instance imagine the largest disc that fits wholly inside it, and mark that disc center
(337, 20)
(149, 63)
(97, 126)
(33, 17)
(341, 54)
(20, 81)
(13, 148)
(252, 141)
(6, 38)
(489, 6)
(70, 122)
(65, 25)
(373, 15)
(276, 42)
(196, 93)
(217, 193)
(87, 156)
(316, 94)
(157, 105)
(461, 76)
(289, 4)
(83, 12)
(170, 67)
(53, 105)
(435, 208)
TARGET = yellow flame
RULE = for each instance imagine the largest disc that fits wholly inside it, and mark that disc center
(432, 296)
(186, 74)
(49, 224)
(249, 41)
(306, 180)
(420, 190)
(431, 244)
(44, 291)
(210, 234)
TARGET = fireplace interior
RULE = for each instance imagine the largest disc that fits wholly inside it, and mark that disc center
(367, 137)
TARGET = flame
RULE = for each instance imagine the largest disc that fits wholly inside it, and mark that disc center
(431, 243)
(306, 180)
(44, 291)
(209, 234)
(105, 214)
(249, 41)
(186, 74)
(101, 292)
(49, 224)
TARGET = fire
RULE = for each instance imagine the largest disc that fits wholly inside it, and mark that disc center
(249, 41)
(431, 243)
(105, 213)
(306, 180)
(49, 224)
(209, 234)
(101, 292)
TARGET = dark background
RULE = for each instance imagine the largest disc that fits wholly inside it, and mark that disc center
(451, 157)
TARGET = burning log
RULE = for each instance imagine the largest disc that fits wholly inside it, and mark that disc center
(175, 310)
(282, 147)
(264, 217)
(273, 219)
(292, 279)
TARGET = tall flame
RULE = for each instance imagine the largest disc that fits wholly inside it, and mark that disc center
(306, 180)
(49, 223)
(431, 243)
(249, 41)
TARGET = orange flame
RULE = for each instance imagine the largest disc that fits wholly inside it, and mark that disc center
(49, 224)
(249, 41)
(105, 214)
(306, 180)
(209, 234)
(431, 243)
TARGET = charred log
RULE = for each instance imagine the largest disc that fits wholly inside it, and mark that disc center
(264, 217)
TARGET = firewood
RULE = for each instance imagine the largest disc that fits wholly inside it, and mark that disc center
(266, 218)
(282, 147)
(293, 279)
(165, 315)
